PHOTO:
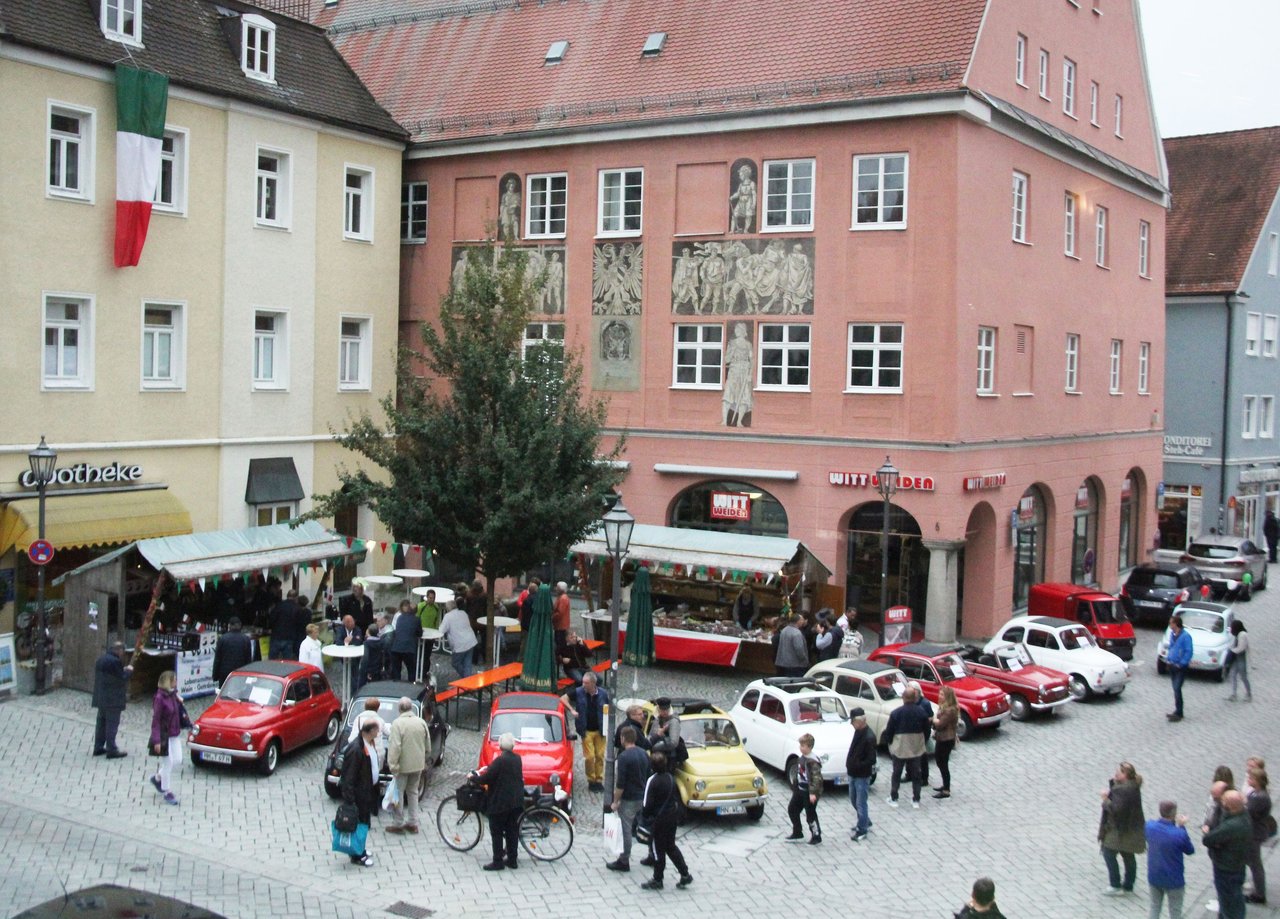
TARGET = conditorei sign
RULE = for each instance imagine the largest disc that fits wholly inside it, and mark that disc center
(85, 474)
(870, 479)
(1179, 445)
(730, 505)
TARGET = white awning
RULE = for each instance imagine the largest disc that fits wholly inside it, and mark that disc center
(220, 552)
(711, 549)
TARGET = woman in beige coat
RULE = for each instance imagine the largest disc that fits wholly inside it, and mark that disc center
(945, 720)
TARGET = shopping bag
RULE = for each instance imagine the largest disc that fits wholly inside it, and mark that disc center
(352, 843)
(612, 836)
(391, 800)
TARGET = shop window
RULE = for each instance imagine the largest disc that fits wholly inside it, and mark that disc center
(731, 507)
(1084, 539)
(908, 561)
(1128, 523)
(1029, 545)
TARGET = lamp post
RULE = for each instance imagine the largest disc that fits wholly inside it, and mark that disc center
(887, 485)
(43, 459)
(618, 524)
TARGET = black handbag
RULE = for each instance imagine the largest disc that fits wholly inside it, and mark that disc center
(641, 832)
(347, 817)
(470, 797)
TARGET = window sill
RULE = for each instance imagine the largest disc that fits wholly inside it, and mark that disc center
(1143, 393)
(413, 242)
(169, 211)
(988, 395)
(692, 233)
(1023, 242)
(790, 228)
(1074, 392)
(1045, 98)
(67, 196)
(348, 238)
(52, 386)
(877, 226)
(1074, 258)
(1103, 267)
(1023, 395)
(1145, 277)
(354, 388)
(695, 387)
(529, 236)
(268, 388)
(783, 389)
(258, 77)
(1115, 392)
(869, 391)
(279, 227)
(1024, 85)
(162, 387)
(629, 234)
(1071, 115)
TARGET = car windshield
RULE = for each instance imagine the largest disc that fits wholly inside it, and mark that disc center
(256, 689)
(1013, 659)
(1205, 550)
(891, 685)
(1108, 611)
(708, 732)
(1160, 580)
(1205, 622)
(528, 727)
(1076, 637)
(818, 708)
(950, 667)
(388, 710)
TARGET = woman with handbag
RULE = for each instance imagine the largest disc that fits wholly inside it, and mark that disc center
(359, 785)
(945, 720)
(168, 718)
(660, 814)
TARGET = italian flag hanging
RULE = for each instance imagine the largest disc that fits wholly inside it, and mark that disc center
(142, 97)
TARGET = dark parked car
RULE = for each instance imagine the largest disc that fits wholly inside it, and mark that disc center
(388, 693)
(1153, 590)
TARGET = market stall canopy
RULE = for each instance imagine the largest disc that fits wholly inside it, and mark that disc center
(710, 549)
(75, 521)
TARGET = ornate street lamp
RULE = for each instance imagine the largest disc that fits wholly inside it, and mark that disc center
(43, 460)
(887, 485)
(618, 524)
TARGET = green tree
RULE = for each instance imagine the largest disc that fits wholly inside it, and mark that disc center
(491, 457)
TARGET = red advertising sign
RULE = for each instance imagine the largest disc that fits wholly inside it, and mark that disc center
(984, 482)
(897, 614)
(730, 505)
(870, 479)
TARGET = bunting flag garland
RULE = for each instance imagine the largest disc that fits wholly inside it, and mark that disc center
(142, 98)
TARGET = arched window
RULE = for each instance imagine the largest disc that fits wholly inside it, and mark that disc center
(731, 507)
(1084, 535)
(1129, 504)
(1029, 536)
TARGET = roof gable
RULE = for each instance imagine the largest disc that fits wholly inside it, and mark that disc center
(1223, 186)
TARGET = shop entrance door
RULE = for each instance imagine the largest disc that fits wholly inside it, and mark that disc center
(908, 563)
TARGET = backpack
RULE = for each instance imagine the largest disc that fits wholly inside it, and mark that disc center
(678, 755)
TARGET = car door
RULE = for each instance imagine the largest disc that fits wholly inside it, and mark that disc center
(1036, 641)
(771, 730)
(298, 710)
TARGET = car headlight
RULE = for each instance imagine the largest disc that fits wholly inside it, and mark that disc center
(758, 782)
(246, 738)
(337, 761)
(195, 730)
(555, 778)
(984, 706)
(699, 786)
(1041, 693)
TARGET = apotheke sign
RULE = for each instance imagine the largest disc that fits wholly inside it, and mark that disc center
(84, 474)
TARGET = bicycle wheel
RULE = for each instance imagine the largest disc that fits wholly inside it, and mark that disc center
(460, 830)
(546, 833)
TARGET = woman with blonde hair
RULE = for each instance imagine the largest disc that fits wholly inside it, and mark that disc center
(168, 718)
(945, 720)
(309, 651)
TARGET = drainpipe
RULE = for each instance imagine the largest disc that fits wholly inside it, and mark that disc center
(1226, 408)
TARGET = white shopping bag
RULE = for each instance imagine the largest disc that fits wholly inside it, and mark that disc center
(612, 836)
(391, 800)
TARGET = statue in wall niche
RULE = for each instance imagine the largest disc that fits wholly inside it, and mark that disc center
(742, 197)
(617, 285)
(615, 341)
(509, 208)
(553, 290)
(459, 268)
(797, 281)
(739, 365)
(711, 275)
(684, 282)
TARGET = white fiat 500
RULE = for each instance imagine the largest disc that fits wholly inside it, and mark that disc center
(774, 713)
(1061, 644)
(1209, 625)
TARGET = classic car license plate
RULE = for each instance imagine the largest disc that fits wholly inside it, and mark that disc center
(731, 809)
(224, 758)
(1149, 603)
(841, 779)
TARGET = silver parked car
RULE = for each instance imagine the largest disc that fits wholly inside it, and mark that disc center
(1223, 560)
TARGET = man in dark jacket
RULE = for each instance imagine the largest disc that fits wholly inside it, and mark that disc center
(860, 764)
(905, 737)
(982, 902)
(635, 720)
(586, 705)
(110, 685)
(359, 782)
(1167, 846)
(504, 800)
(829, 637)
(358, 607)
(234, 650)
(1229, 845)
(372, 662)
(283, 616)
(1271, 530)
(404, 643)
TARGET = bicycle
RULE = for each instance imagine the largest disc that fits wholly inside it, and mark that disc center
(545, 830)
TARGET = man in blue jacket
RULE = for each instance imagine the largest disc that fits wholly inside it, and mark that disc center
(1167, 843)
(1178, 659)
(587, 709)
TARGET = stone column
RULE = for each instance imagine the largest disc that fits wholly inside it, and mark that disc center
(944, 567)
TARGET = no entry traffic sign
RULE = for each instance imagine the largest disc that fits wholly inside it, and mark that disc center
(40, 552)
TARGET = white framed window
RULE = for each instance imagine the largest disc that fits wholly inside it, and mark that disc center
(357, 203)
(413, 212)
(1068, 87)
(543, 333)
(1020, 183)
(1266, 416)
(171, 190)
(699, 357)
(1273, 254)
(1093, 103)
(1117, 350)
(67, 330)
(1144, 249)
(621, 202)
(986, 359)
(1069, 224)
(547, 205)
(270, 350)
(784, 356)
(274, 191)
(875, 357)
(1269, 324)
(1119, 115)
(70, 161)
(1020, 60)
(163, 346)
(1044, 74)
(788, 195)
(265, 515)
(880, 191)
(355, 352)
(1100, 239)
(122, 20)
(1252, 333)
(258, 47)
(1073, 362)
(1249, 421)
(1144, 367)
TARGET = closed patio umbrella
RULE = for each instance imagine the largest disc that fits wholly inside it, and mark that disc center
(638, 649)
(539, 646)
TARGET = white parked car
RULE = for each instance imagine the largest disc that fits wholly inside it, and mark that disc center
(1209, 625)
(1061, 644)
(772, 714)
(873, 686)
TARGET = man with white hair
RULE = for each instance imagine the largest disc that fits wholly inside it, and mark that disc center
(407, 760)
(504, 800)
(560, 613)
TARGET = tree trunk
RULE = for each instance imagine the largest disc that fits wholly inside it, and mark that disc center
(488, 619)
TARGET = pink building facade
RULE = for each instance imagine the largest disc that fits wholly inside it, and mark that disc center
(955, 266)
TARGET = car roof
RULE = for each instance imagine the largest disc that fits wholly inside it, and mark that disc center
(280, 669)
(862, 666)
(793, 684)
(926, 649)
(1052, 622)
(1203, 606)
(390, 689)
(1218, 540)
(540, 701)
(1170, 567)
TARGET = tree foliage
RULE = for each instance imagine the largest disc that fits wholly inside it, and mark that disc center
(490, 457)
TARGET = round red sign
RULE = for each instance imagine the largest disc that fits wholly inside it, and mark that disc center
(40, 552)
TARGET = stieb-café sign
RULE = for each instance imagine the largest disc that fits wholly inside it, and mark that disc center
(86, 474)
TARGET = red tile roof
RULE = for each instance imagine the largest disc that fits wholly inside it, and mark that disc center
(1223, 186)
(450, 70)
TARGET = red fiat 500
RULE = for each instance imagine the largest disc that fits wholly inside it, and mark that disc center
(982, 705)
(538, 723)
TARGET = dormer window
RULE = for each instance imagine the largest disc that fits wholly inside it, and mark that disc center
(258, 47)
(122, 20)
(556, 53)
(654, 44)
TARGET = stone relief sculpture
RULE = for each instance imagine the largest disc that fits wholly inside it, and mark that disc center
(617, 279)
(743, 277)
(550, 299)
(739, 364)
(743, 197)
(615, 341)
(615, 361)
(509, 207)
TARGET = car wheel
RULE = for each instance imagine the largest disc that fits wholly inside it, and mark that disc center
(1079, 687)
(964, 727)
(331, 729)
(1019, 707)
(1161, 667)
(195, 760)
(755, 813)
(270, 758)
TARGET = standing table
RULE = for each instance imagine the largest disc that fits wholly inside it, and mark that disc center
(500, 626)
(346, 653)
(428, 635)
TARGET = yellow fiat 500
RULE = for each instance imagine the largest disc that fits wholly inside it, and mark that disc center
(718, 777)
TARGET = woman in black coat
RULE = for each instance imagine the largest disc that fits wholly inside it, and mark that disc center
(661, 812)
(359, 783)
